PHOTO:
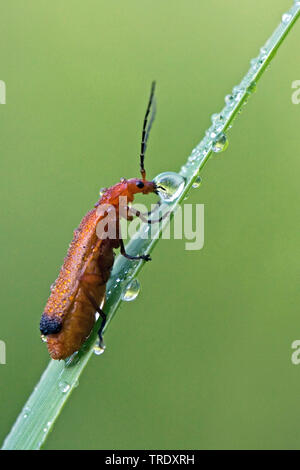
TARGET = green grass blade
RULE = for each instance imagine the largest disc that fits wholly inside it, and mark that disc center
(60, 378)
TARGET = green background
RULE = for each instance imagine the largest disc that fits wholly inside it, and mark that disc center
(202, 358)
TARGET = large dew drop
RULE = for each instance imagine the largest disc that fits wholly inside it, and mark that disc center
(220, 143)
(131, 291)
(170, 185)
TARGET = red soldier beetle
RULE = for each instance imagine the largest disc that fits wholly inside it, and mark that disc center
(79, 291)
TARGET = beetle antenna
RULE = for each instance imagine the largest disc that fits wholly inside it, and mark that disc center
(147, 127)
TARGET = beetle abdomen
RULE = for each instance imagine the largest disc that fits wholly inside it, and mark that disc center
(80, 318)
(77, 326)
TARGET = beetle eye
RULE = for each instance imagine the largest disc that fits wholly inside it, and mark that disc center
(140, 184)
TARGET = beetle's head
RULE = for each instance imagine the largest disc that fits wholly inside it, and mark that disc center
(137, 185)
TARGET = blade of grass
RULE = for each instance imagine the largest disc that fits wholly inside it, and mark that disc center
(60, 378)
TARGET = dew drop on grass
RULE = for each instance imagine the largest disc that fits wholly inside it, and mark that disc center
(131, 291)
(27, 412)
(262, 58)
(286, 18)
(171, 185)
(229, 100)
(220, 143)
(47, 427)
(217, 118)
(98, 350)
(197, 182)
(218, 123)
(254, 64)
(64, 387)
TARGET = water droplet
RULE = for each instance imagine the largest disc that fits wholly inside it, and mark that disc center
(27, 411)
(193, 157)
(218, 124)
(220, 143)
(47, 427)
(254, 64)
(211, 132)
(197, 182)
(262, 58)
(131, 290)
(98, 350)
(236, 90)
(229, 99)
(171, 185)
(102, 191)
(217, 117)
(64, 387)
(44, 338)
(286, 18)
(52, 287)
(237, 93)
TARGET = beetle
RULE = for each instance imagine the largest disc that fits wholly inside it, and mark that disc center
(79, 291)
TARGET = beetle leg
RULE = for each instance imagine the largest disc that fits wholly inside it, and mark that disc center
(123, 252)
(128, 216)
(103, 316)
(145, 217)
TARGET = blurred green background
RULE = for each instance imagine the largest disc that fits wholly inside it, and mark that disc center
(202, 359)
